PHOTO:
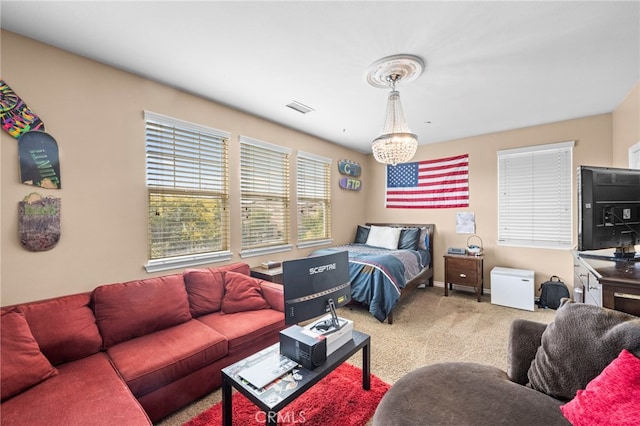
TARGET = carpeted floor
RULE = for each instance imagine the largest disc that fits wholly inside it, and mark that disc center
(428, 328)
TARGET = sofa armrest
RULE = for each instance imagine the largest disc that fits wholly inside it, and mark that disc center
(273, 294)
(524, 339)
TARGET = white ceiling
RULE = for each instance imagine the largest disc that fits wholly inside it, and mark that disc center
(490, 66)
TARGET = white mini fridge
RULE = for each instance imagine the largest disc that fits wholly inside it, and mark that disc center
(513, 288)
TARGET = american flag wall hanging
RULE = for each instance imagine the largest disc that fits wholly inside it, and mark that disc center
(429, 184)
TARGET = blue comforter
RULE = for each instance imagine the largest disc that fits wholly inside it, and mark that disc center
(378, 275)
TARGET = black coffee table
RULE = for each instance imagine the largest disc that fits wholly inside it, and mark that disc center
(276, 396)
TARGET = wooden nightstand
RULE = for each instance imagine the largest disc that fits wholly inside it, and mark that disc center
(464, 270)
(274, 274)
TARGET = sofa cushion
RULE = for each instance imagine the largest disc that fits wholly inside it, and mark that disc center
(88, 391)
(151, 361)
(458, 393)
(580, 342)
(246, 329)
(525, 337)
(273, 293)
(64, 327)
(205, 289)
(137, 308)
(242, 293)
(23, 365)
(612, 398)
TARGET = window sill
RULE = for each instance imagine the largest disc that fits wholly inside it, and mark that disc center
(535, 246)
(182, 262)
(314, 243)
(265, 250)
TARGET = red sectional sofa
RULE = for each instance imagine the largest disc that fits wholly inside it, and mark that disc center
(131, 353)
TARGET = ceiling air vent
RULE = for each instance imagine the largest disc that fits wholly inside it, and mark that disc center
(301, 108)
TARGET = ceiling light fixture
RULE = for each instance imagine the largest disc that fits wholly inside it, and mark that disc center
(396, 144)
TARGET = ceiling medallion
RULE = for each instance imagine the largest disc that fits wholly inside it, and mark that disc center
(406, 67)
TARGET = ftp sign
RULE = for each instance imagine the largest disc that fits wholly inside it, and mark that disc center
(350, 183)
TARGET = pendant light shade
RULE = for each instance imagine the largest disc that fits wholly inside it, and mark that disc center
(396, 144)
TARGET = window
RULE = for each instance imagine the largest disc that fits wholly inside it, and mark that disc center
(314, 199)
(264, 197)
(187, 187)
(534, 196)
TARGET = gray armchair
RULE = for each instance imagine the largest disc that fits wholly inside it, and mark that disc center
(545, 369)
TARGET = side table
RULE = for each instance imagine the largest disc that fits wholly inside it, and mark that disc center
(464, 270)
(274, 274)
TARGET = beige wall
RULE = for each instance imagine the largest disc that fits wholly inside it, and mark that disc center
(626, 127)
(95, 113)
(593, 146)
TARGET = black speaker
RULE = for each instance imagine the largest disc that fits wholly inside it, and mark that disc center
(306, 350)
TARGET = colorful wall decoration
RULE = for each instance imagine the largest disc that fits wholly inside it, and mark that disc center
(352, 170)
(350, 183)
(39, 160)
(39, 222)
(38, 151)
(17, 118)
(349, 168)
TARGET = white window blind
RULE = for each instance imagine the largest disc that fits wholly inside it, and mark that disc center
(534, 196)
(187, 186)
(264, 193)
(314, 197)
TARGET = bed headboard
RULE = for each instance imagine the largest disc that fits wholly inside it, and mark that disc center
(430, 229)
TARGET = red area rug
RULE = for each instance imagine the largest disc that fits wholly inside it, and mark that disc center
(338, 399)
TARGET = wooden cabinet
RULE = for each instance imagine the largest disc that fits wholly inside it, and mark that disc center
(464, 270)
(274, 274)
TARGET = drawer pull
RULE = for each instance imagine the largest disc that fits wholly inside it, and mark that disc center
(463, 276)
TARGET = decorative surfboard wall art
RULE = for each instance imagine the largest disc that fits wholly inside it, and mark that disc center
(17, 118)
(39, 160)
(39, 222)
(38, 151)
(352, 170)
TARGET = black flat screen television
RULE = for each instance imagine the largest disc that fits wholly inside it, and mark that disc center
(609, 211)
(314, 286)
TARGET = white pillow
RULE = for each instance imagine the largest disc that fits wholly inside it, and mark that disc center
(384, 237)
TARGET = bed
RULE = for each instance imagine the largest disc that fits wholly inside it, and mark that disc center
(386, 262)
